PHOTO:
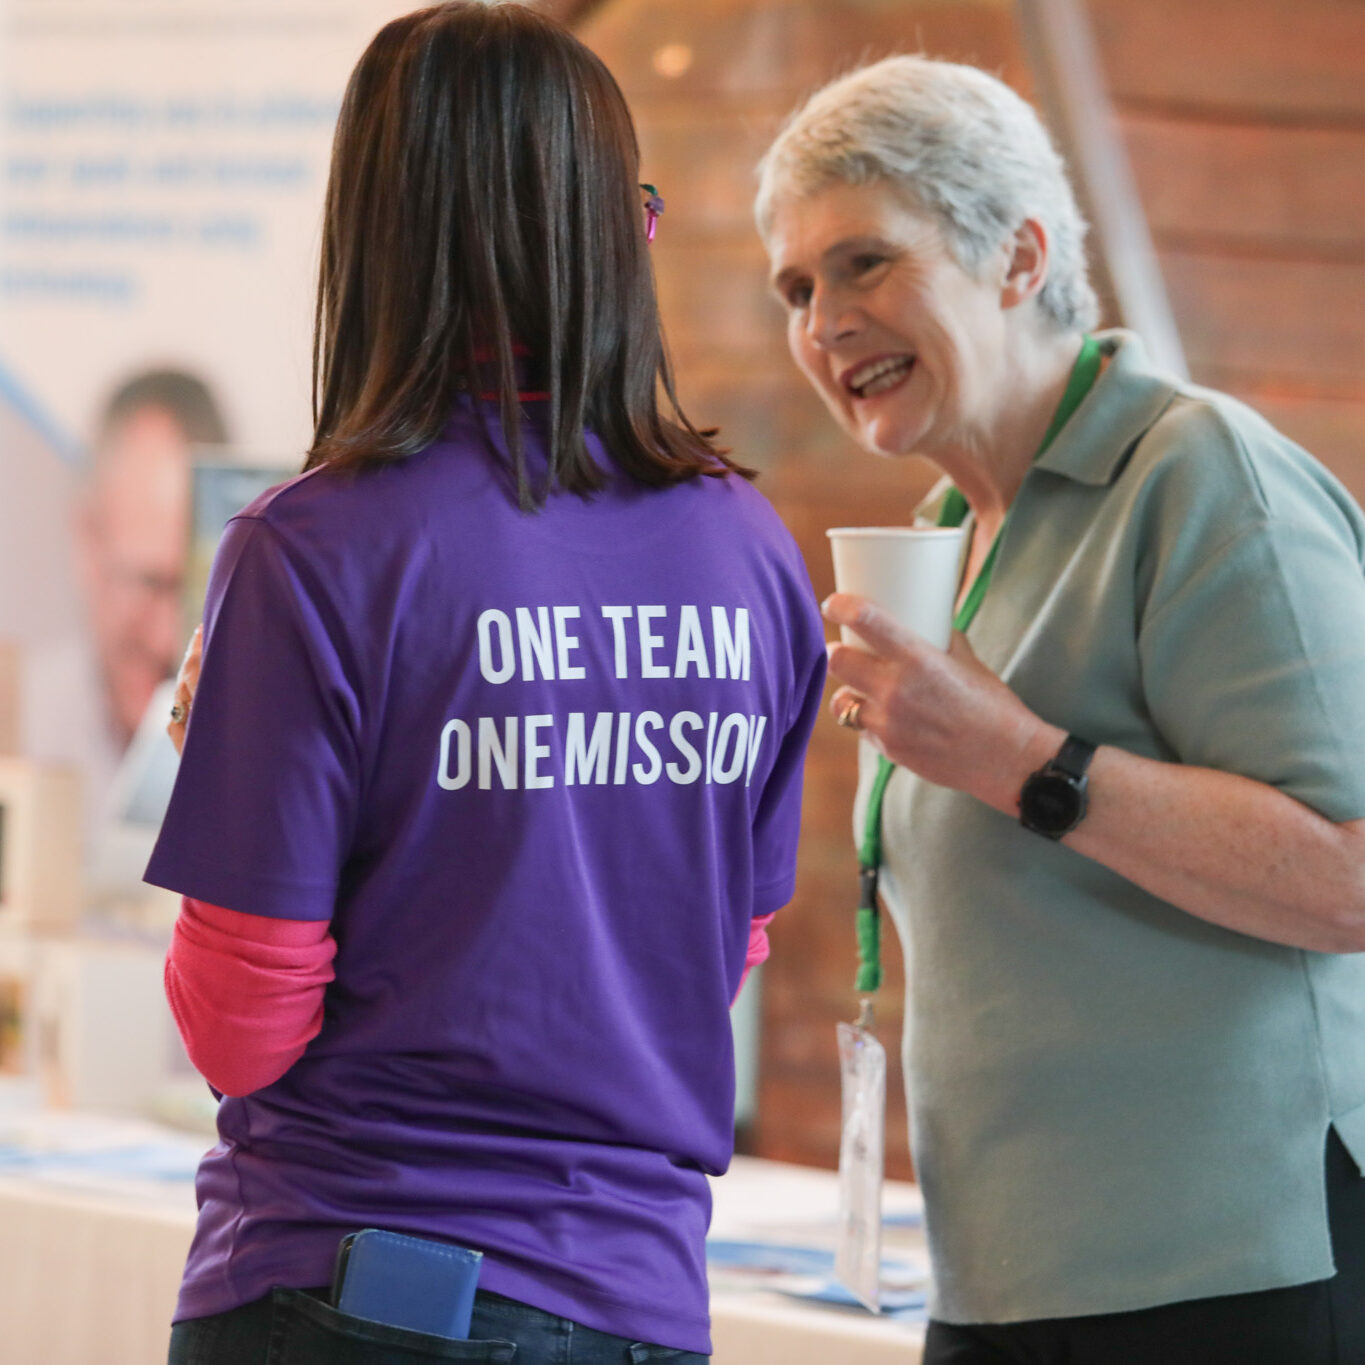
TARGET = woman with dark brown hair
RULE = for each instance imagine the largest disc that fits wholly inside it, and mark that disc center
(493, 773)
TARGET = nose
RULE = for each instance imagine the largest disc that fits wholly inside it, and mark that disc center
(830, 318)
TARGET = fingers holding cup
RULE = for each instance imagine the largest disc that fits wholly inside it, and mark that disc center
(847, 713)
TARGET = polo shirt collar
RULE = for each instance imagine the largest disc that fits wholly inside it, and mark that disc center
(1124, 402)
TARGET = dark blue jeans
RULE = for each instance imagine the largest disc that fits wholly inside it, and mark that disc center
(298, 1327)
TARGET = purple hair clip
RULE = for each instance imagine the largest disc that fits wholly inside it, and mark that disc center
(654, 206)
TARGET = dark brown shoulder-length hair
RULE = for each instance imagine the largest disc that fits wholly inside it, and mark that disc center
(482, 205)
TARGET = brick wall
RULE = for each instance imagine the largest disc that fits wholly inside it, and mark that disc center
(1245, 123)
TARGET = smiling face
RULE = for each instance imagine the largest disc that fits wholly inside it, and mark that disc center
(905, 347)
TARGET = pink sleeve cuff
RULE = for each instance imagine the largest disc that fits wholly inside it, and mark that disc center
(246, 991)
(758, 948)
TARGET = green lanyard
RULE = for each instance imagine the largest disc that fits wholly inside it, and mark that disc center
(953, 513)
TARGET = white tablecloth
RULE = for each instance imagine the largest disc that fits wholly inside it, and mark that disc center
(96, 1216)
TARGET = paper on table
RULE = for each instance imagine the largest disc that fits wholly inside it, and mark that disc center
(807, 1272)
(97, 1153)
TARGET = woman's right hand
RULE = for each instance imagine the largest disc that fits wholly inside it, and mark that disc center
(186, 685)
(940, 713)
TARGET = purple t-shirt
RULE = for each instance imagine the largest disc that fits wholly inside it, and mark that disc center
(540, 771)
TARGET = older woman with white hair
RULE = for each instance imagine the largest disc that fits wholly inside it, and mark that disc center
(1121, 818)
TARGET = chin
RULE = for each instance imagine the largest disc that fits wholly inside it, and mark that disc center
(896, 444)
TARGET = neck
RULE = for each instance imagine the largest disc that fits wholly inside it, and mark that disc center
(990, 470)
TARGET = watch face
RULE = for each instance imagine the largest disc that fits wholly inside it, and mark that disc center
(1051, 804)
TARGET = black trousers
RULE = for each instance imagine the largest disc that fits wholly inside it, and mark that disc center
(1311, 1324)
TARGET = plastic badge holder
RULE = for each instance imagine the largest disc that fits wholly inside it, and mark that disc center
(409, 1282)
(862, 1154)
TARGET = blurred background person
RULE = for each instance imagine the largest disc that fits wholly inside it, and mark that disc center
(87, 688)
(134, 535)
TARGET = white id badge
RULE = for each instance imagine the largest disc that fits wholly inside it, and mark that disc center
(862, 1152)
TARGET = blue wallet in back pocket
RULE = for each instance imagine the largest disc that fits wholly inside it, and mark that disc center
(409, 1282)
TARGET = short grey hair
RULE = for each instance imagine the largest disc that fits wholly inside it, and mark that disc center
(958, 144)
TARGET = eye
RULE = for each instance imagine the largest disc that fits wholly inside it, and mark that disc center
(866, 261)
(796, 294)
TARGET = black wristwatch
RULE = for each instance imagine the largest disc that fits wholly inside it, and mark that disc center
(1053, 800)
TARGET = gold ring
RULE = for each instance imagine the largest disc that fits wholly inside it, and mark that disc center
(848, 717)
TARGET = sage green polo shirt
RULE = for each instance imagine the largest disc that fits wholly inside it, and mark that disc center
(1114, 1104)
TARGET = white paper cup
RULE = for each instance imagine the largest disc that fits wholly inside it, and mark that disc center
(911, 572)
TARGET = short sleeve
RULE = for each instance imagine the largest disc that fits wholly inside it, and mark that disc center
(264, 805)
(1255, 664)
(777, 821)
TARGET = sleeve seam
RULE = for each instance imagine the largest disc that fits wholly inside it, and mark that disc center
(1279, 578)
(1265, 522)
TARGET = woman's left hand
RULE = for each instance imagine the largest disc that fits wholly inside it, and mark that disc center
(942, 714)
(186, 685)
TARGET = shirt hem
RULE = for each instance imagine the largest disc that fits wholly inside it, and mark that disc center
(771, 897)
(233, 891)
(209, 1296)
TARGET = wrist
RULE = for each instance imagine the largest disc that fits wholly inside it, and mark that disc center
(1037, 743)
(1055, 796)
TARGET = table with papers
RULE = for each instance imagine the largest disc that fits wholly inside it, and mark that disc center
(96, 1216)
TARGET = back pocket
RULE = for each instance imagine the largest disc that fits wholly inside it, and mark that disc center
(306, 1331)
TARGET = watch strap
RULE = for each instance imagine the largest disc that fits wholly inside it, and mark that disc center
(1073, 758)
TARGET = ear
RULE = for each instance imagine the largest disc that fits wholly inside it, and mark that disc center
(1026, 272)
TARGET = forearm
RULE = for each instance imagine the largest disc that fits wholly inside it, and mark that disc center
(246, 992)
(1230, 850)
(1225, 848)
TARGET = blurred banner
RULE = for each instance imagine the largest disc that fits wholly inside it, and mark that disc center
(162, 167)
